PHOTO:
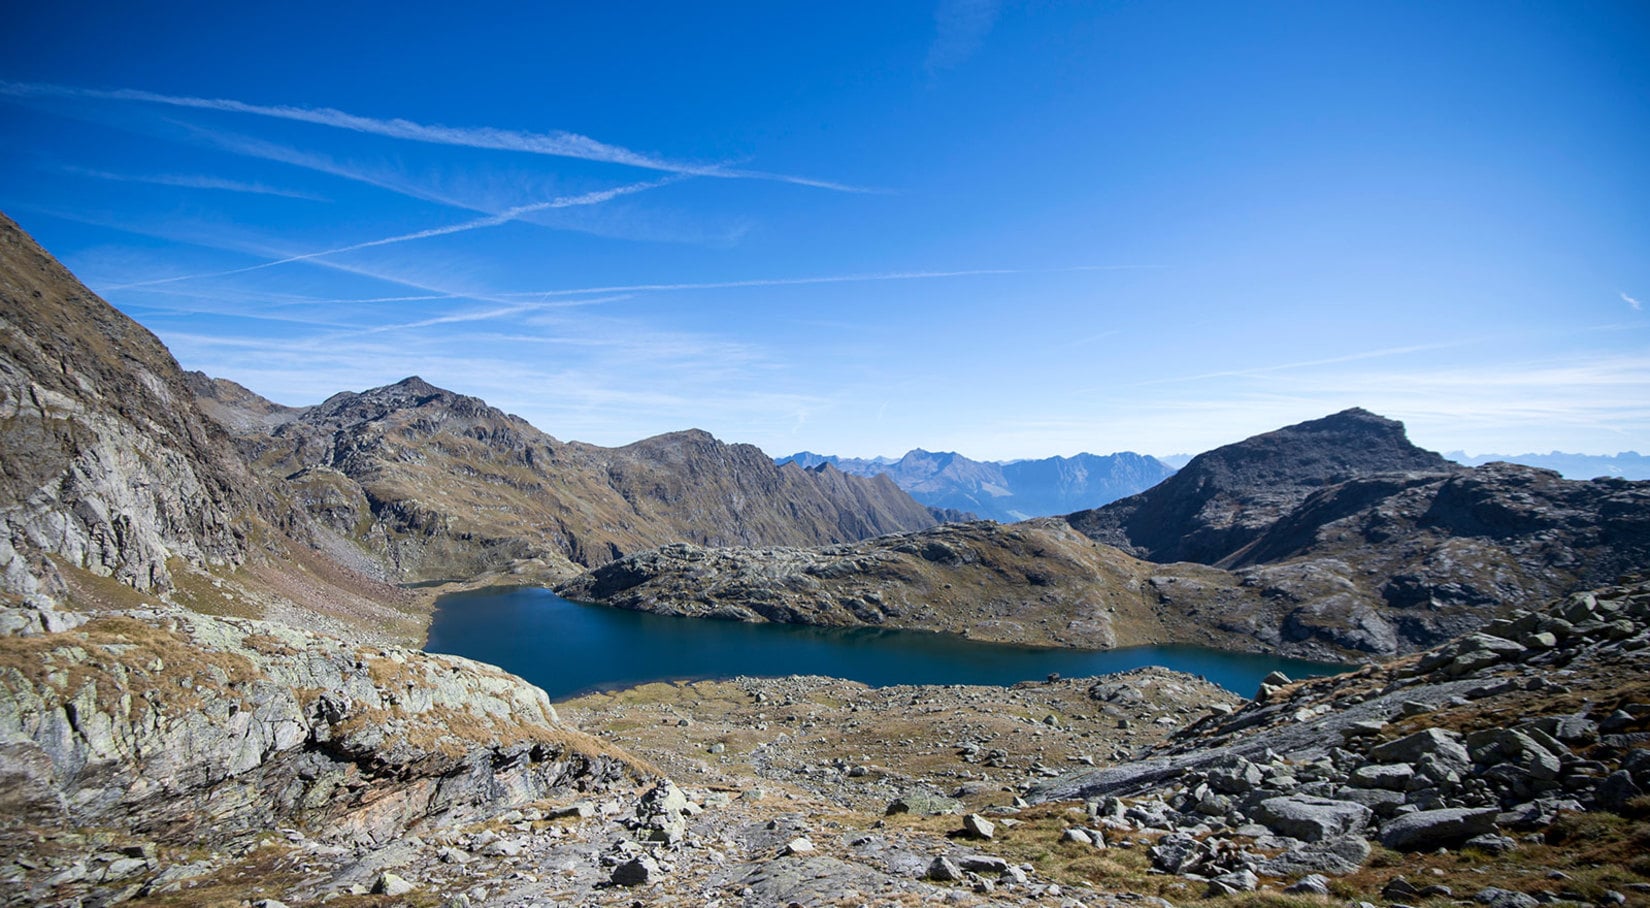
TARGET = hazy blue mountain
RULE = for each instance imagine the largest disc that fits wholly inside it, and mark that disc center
(1626, 465)
(1006, 491)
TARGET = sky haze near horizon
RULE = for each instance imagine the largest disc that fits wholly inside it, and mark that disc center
(1011, 230)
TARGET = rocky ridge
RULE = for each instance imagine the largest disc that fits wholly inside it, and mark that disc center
(106, 463)
(428, 484)
(1224, 499)
(1034, 582)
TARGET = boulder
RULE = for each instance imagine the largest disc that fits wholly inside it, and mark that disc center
(1492, 844)
(637, 871)
(944, 870)
(1441, 744)
(800, 845)
(1312, 819)
(979, 827)
(1230, 883)
(1495, 897)
(1175, 852)
(390, 884)
(1337, 856)
(1426, 829)
(1391, 776)
(1616, 790)
(1312, 884)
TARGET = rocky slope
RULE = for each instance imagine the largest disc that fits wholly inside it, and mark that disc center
(107, 464)
(429, 484)
(116, 490)
(173, 731)
(1496, 744)
(1007, 491)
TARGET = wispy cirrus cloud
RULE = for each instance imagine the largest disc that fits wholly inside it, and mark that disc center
(307, 160)
(595, 197)
(555, 144)
(824, 279)
(1631, 301)
(191, 181)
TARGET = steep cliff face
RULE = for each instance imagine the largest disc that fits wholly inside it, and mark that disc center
(107, 464)
(434, 484)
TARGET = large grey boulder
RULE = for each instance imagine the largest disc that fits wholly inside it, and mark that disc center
(1391, 776)
(1426, 829)
(1442, 745)
(1311, 819)
(1337, 856)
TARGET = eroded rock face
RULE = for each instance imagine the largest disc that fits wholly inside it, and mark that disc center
(107, 464)
(195, 728)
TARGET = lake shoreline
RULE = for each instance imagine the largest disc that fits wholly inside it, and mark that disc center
(571, 649)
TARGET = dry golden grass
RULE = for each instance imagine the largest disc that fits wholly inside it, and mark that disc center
(152, 658)
(91, 592)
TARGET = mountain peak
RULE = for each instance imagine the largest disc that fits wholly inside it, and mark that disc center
(1228, 494)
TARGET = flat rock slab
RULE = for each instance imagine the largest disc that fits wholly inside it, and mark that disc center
(1436, 828)
(1312, 819)
(816, 880)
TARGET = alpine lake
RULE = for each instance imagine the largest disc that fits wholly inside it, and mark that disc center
(568, 648)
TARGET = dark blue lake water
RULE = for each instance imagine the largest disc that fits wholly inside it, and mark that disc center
(569, 648)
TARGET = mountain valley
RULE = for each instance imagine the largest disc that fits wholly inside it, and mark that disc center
(211, 691)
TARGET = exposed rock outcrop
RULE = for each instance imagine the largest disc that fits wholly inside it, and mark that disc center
(1452, 748)
(199, 729)
(1032, 582)
(106, 462)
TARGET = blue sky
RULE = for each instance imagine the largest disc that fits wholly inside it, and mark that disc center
(1008, 229)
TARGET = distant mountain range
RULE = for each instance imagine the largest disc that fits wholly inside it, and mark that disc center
(1626, 465)
(1005, 491)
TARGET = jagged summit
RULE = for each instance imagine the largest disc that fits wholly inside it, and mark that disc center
(1223, 499)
